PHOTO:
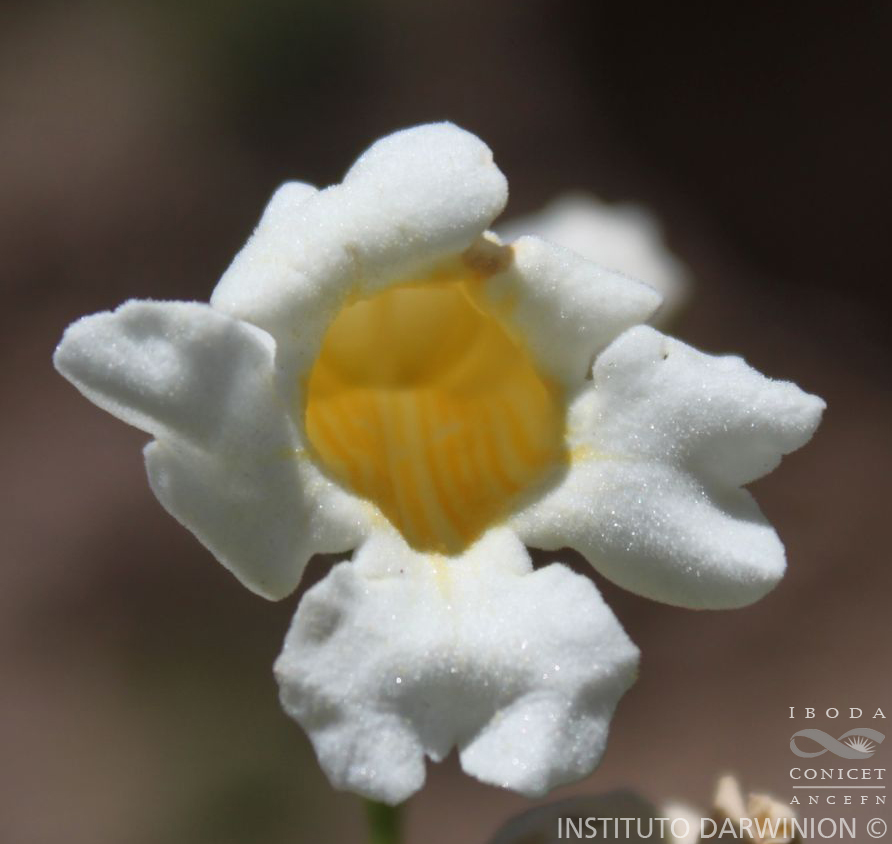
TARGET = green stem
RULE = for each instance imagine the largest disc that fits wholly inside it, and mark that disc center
(384, 823)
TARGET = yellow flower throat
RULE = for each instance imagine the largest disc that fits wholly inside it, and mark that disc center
(425, 403)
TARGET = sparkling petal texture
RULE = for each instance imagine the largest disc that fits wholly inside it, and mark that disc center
(395, 656)
(664, 436)
(566, 307)
(413, 198)
(399, 655)
(177, 369)
(624, 238)
(238, 480)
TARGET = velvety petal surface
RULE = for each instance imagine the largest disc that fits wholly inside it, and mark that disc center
(565, 307)
(625, 238)
(662, 440)
(413, 198)
(227, 462)
(397, 656)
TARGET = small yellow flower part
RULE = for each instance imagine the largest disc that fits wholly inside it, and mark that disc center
(426, 402)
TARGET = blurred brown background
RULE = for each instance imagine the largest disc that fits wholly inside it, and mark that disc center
(138, 144)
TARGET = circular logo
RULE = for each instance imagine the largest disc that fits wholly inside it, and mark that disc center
(876, 828)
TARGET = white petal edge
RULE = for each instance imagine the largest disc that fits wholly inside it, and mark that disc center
(565, 307)
(662, 439)
(623, 237)
(397, 656)
(413, 198)
(714, 416)
(263, 516)
(228, 463)
(178, 369)
(657, 532)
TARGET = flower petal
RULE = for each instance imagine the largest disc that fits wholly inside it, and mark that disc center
(396, 656)
(178, 369)
(714, 416)
(625, 238)
(566, 308)
(658, 532)
(662, 440)
(227, 463)
(412, 198)
(258, 514)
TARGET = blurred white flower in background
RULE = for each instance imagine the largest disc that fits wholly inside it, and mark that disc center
(623, 237)
(376, 371)
(759, 817)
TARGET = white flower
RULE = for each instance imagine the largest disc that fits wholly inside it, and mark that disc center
(626, 238)
(760, 818)
(376, 372)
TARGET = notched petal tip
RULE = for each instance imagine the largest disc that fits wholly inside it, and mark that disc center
(176, 368)
(392, 660)
(669, 436)
(414, 198)
(431, 178)
(713, 415)
(226, 463)
(107, 356)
